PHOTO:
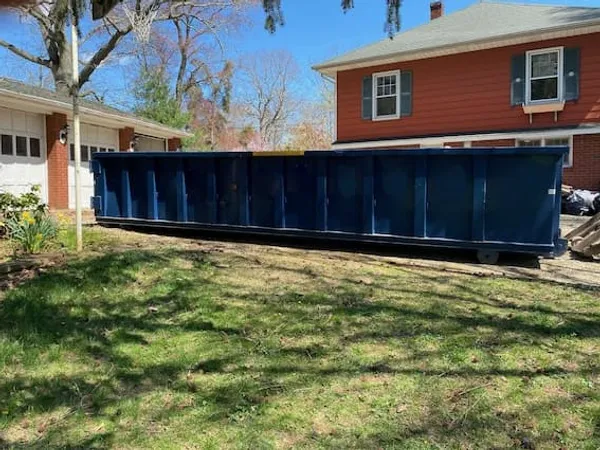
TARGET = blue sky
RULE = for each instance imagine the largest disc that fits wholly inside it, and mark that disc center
(315, 30)
(313, 37)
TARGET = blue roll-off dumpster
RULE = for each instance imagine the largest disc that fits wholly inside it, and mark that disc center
(491, 200)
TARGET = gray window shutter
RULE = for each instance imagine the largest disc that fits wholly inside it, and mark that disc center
(367, 98)
(406, 93)
(517, 80)
(571, 74)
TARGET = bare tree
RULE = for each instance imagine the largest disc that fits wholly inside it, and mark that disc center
(268, 97)
(193, 17)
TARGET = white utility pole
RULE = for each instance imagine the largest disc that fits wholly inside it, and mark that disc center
(76, 127)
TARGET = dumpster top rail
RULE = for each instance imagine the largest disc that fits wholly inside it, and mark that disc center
(505, 151)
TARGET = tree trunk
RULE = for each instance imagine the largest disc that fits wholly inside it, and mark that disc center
(62, 72)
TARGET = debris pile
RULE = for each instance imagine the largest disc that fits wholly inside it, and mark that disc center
(585, 239)
(579, 202)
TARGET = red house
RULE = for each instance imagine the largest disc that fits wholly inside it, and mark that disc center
(492, 74)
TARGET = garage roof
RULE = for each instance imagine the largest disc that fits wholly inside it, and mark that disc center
(479, 23)
(48, 101)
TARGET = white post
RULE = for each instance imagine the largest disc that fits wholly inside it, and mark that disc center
(76, 130)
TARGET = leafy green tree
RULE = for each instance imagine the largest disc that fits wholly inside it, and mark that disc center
(275, 14)
(155, 101)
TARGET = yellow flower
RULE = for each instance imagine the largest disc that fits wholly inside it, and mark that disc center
(28, 218)
(39, 237)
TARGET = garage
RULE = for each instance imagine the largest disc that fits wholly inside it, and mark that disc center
(150, 144)
(93, 139)
(22, 152)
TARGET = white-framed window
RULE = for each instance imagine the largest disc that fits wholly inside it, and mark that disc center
(551, 141)
(544, 75)
(386, 95)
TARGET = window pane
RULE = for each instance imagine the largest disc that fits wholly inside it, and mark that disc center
(386, 106)
(93, 150)
(544, 89)
(111, 150)
(544, 65)
(34, 147)
(85, 155)
(380, 91)
(21, 146)
(7, 144)
(72, 155)
(102, 149)
(529, 143)
(557, 141)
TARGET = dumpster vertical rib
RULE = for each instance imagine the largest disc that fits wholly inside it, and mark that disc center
(421, 196)
(182, 204)
(244, 191)
(479, 188)
(211, 185)
(321, 205)
(101, 190)
(558, 171)
(368, 196)
(152, 194)
(280, 202)
(126, 192)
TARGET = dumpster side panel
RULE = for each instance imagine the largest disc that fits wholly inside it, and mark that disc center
(266, 192)
(300, 186)
(138, 180)
(228, 191)
(520, 208)
(345, 194)
(394, 191)
(201, 188)
(114, 170)
(449, 197)
(166, 189)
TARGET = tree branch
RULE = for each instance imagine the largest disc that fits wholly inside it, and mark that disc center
(101, 55)
(24, 54)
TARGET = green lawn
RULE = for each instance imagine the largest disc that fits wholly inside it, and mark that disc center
(241, 346)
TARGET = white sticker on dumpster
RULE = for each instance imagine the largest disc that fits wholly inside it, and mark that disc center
(551, 191)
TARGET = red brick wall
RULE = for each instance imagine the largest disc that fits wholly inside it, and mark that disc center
(494, 143)
(173, 144)
(58, 163)
(126, 135)
(585, 172)
(467, 93)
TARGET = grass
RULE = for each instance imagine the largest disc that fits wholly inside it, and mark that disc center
(167, 345)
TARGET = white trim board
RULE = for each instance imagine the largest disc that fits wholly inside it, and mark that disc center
(434, 141)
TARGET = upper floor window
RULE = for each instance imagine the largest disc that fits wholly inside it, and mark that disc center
(386, 95)
(544, 75)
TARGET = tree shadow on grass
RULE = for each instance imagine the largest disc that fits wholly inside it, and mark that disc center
(69, 307)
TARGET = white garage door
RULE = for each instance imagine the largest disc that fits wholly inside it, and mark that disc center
(22, 152)
(150, 144)
(93, 139)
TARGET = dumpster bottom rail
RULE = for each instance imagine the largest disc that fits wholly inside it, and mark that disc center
(485, 247)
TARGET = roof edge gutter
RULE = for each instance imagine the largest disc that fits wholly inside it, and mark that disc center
(112, 119)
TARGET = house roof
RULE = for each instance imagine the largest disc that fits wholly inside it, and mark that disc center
(480, 23)
(48, 101)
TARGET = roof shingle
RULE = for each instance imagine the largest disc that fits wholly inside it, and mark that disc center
(479, 22)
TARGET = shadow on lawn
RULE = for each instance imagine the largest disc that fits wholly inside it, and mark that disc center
(47, 312)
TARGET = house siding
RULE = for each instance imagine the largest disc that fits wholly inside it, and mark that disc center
(467, 93)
